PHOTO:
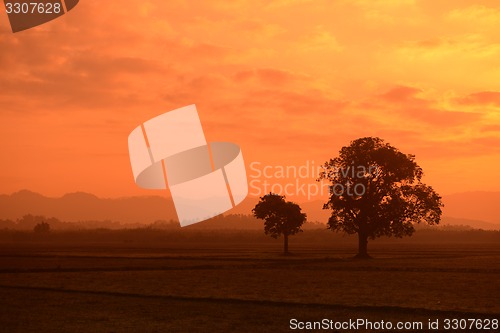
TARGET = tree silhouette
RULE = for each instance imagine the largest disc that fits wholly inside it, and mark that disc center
(281, 217)
(42, 228)
(375, 191)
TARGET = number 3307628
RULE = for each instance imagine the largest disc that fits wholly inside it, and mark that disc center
(33, 8)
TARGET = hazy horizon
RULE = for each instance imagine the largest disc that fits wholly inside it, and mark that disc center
(476, 210)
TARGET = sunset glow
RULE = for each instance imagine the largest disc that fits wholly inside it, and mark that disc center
(290, 81)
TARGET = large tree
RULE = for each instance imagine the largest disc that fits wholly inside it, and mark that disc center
(376, 190)
(280, 217)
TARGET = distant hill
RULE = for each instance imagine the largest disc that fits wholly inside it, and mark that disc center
(476, 224)
(475, 209)
(80, 206)
(484, 206)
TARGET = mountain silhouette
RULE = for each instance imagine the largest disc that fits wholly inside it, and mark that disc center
(81, 206)
(475, 209)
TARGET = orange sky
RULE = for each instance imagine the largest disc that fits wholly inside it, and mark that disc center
(288, 80)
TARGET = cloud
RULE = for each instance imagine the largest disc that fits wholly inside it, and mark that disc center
(277, 4)
(383, 3)
(388, 12)
(459, 149)
(465, 46)
(270, 77)
(310, 103)
(481, 98)
(491, 128)
(409, 102)
(400, 94)
(320, 40)
(291, 80)
(433, 127)
(476, 14)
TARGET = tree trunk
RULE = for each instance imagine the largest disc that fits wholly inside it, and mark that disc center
(286, 244)
(363, 246)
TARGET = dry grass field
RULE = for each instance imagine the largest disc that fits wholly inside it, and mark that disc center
(243, 285)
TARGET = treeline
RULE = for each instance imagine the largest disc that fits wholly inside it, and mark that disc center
(222, 222)
(194, 237)
(225, 229)
(29, 222)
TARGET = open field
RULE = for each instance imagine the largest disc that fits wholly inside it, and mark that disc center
(240, 286)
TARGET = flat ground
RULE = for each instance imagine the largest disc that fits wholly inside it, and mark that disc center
(240, 286)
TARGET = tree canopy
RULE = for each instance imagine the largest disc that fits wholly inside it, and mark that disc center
(376, 190)
(280, 217)
(42, 228)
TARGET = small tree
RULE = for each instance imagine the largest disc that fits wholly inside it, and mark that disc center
(376, 190)
(42, 228)
(281, 217)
